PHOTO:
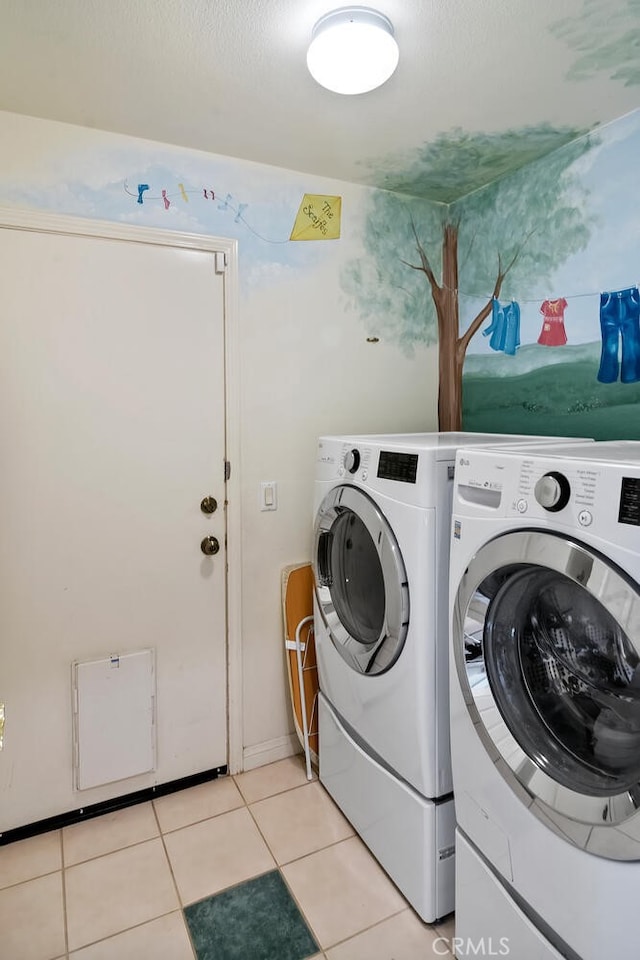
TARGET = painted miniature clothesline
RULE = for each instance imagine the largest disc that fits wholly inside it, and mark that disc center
(619, 327)
(504, 329)
(318, 216)
(566, 296)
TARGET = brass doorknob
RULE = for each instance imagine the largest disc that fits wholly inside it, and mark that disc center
(209, 546)
(209, 505)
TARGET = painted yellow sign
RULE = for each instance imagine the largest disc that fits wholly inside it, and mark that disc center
(318, 218)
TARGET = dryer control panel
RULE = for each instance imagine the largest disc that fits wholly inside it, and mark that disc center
(393, 465)
(383, 468)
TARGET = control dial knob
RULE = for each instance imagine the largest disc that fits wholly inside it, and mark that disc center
(352, 460)
(552, 491)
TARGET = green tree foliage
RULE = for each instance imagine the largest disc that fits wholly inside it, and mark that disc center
(394, 301)
(458, 163)
(607, 40)
(524, 226)
(521, 227)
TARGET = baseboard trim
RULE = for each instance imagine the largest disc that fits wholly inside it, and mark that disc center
(269, 751)
(109, 806)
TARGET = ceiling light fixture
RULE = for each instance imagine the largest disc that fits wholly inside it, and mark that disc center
(352, 50)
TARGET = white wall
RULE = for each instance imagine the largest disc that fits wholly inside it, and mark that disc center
(307, 370)
(305, 365)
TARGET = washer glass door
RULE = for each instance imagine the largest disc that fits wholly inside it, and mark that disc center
(547, 645)
(361, 581)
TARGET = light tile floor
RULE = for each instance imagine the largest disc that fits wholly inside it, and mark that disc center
(113, 888)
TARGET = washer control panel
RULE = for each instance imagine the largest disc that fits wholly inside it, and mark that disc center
(601, 496)
(552, 491)
(539, 483)
(629, 509)
(531, 487)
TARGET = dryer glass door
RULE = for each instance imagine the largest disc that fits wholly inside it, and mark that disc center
(361, 581)
(551, 669)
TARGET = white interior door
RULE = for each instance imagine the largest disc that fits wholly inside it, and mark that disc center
(112, 431)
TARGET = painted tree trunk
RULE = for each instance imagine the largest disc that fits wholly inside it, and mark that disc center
(452, 347)
(450, 389)
(451, 357)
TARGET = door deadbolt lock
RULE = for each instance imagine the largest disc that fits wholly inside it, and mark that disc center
(209, 546)
(209, 505)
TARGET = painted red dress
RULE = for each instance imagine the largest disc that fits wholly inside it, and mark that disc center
(553, 333)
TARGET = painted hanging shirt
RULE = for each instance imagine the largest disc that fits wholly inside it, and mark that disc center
(504, 329)
(620, 329)
(553, 333)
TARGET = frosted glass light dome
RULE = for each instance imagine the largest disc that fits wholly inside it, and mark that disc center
(352, 50)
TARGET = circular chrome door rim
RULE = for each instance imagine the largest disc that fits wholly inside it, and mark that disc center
(606, 826)
(363, 656)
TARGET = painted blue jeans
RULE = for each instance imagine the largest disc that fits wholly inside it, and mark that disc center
(620, 323)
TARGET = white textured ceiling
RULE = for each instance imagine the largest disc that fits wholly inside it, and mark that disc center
(230, 77)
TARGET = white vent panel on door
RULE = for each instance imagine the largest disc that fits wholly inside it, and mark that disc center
(114, 718)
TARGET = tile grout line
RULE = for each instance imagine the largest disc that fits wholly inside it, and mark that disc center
(142, 923)
(320, 951)
(275, 866)
(63, 878)
(315, 779)
(135, 926)
(309, 853)
(302, 857)
(181, 906)
(372, 926)
(37, 876)
(193, 823)
(279, 866)
(327, 846)
(175, 882)
(161, 834)
(106, 853)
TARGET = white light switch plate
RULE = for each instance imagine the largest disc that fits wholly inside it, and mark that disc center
(268, 495)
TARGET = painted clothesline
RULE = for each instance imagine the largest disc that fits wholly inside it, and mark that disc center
(504, 328)
(567, 296)
(223, 204)
(619, 327)
(318, 216)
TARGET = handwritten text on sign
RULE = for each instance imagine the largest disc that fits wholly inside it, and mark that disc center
(318, 218)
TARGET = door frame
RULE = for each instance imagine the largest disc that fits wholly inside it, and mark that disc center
(17, 218)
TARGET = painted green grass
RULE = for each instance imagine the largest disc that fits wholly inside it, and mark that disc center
(559, 399)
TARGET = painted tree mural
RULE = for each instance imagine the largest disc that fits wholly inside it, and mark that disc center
(501, 240)
(605, 40)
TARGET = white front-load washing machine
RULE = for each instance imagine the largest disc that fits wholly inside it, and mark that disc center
(545, 699)
(380, 556)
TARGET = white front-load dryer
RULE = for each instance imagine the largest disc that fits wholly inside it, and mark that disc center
(545, 699)
(380, 556)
